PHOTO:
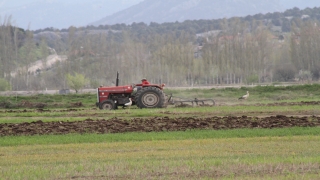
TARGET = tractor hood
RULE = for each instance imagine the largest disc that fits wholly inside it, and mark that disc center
(116, 89)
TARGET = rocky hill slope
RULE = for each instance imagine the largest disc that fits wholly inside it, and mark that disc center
(180, 10)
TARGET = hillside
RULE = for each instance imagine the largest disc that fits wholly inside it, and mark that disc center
(288, 4)
(180, 10)
(60, 14)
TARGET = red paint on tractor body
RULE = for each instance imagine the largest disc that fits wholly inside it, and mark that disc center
(104, 92)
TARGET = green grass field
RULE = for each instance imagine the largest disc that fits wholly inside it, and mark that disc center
(288, 153)
(186, 157)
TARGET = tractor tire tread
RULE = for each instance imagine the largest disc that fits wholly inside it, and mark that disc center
(157, 91)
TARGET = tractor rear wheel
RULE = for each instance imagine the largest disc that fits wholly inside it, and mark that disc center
(150, 97)
(107, 105)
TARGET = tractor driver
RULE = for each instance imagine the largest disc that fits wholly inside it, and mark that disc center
(144, 81)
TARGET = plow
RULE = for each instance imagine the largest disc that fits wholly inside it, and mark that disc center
(183, 102)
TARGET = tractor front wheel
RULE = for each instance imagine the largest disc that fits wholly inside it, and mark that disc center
(107, 105)
(150, 97)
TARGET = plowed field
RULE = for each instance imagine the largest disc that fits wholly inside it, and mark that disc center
(117, 125)
(174, 120)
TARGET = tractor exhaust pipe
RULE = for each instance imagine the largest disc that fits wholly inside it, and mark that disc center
(117, 80)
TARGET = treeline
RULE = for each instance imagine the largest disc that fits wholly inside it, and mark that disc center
(236, 50)
(17, 51)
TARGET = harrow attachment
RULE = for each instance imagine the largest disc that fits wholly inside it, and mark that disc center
(181, 102)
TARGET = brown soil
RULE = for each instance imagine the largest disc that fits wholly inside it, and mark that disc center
(27, 104)
(156, 124)
(118, 125)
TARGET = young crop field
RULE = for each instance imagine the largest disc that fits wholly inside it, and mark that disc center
(274, 134)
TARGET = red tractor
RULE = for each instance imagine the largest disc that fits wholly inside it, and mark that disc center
(143, 96)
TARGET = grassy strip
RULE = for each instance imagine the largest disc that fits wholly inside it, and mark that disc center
(156, 136)
(295, 157)
(270, 92)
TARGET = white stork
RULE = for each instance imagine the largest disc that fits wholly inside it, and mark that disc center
(128, 103)
(245, 96)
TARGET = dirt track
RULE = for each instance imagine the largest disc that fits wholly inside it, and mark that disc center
(116, 125)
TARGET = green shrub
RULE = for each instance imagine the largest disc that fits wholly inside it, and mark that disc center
(284, 73)
(6, 104)
(4, 85)
(253, 79)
